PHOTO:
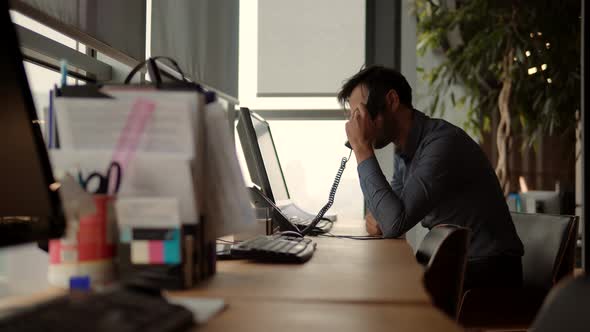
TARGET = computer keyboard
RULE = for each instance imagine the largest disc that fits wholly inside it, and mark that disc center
(275, 248)
(122, 310)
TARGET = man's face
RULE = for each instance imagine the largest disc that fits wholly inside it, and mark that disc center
(360, 94)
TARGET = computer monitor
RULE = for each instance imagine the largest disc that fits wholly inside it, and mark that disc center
(30, 206)
(541, 202)
(261, 155)
(264, 165)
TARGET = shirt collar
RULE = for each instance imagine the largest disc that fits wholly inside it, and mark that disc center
(414, 137)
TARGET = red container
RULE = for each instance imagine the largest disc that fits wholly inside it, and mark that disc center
(88, 248)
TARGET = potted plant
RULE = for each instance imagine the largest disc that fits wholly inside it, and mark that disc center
(519, 59)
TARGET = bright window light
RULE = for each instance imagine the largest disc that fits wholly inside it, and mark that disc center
(527, 53)
(544, 66)
(549, 81)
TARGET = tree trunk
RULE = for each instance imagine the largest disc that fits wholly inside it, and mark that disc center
(503, 132)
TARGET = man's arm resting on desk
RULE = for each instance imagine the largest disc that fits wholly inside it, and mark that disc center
(371, 225)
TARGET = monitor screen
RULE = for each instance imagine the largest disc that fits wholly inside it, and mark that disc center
(30, 207)
(260, 154)
(270, 158)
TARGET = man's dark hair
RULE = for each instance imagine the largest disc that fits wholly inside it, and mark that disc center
(378, 80)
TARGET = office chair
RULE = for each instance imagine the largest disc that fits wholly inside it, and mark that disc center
(443, 253)
(566, 307)
(549, 249)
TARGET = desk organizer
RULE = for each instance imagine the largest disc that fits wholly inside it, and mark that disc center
(160, 266)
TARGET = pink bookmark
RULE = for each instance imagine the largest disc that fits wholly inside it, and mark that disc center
(130, 136)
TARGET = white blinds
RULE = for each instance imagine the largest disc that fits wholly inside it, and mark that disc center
(202, 35)
(308, 47)
(118, 24)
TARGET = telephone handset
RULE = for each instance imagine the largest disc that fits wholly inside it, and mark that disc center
(372, 107)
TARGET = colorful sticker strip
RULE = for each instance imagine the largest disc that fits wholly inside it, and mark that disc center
(155, 246)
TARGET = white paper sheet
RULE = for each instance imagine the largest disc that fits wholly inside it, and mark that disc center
(228, 203)
(203, 309)
(89, 123)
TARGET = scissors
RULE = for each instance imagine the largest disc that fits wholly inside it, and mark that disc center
(113, 174)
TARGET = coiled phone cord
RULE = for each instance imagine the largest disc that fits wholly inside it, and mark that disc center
(331, 197)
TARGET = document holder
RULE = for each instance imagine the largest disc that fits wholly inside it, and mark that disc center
(197, 240)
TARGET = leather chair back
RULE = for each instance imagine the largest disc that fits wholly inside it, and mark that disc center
(565, 308)
(443, 253)
(549, 247)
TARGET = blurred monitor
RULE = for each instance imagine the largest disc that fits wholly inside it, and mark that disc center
(540, 202)
(30, 206)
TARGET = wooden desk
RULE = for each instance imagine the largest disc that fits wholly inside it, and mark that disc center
(348, 285)
(341, 270)
(287, 316)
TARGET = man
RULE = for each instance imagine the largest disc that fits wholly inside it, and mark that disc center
(441, 176)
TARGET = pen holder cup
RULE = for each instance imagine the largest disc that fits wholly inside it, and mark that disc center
(88, 248)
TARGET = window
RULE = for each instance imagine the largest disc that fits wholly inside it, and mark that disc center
(42, 80)
(277, 71)
(310, 163)
(310, 150)
(307, 47)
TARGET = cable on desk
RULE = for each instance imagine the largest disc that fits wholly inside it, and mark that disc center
(352, 237)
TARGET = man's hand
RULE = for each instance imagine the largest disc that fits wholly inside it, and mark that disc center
(372, 226)
(361, 133)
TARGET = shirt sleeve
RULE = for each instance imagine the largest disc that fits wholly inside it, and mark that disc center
(434, 171)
